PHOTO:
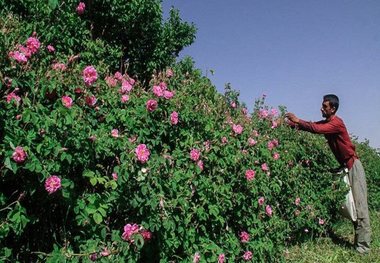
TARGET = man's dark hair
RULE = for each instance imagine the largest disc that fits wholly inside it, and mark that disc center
(333, 100)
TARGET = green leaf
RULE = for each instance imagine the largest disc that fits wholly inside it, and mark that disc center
(97, 218)
(53, 4)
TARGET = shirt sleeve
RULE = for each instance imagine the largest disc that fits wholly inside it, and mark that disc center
(320, 127)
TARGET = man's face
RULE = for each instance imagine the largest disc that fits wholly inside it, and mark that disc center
(326, 109)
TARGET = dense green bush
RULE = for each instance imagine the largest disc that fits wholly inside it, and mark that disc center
(99, 166)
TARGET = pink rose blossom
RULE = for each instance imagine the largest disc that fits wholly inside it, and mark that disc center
(250, 175)
(273, 112)
(196, 257)
(163, 86)
(12, 96)
(124, 98)
(157, 91)
(174, 118)
(233, 105)
(26, 51)
(50, 48)
(268, 210)
(91, 100)
(200, 164)
(33, 44)
(67, 101)
(105, 252)
(129, 231)
(80, 8)
(89, 75)
(276, 156)
(261, 200)
(195, 154)
(52, 184)
(255, 133)
(168, 94)
(224, 140)
(142, 153)
(274, 125)
(264, 167)
(118, 76)
(111, 82)
(251, 141)
(238, 129)
(18, 116)
(263, 114)
(18, 56)
(19, 155)
(125, 87)
(272, 144)
(247, 255)
(221, 258)
(146, 234)
(244, 237)
(169, 73)
(321, 221)
(297, 201)
(115, 133)
(131, 81)
(244, 111)
(151, 105)
(114, 176)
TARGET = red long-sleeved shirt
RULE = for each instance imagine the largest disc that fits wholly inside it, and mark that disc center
(337, 137)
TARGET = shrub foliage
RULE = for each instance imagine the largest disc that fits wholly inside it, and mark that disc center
(99, 164)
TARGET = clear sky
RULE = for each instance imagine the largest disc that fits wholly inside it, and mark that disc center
(295, 51)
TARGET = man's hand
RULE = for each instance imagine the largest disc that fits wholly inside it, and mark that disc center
(292, 117)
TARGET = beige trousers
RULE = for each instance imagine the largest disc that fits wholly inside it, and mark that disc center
(362, 226)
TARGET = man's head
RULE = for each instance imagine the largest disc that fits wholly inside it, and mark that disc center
(330, 105)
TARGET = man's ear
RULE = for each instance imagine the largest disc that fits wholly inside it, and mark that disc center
(334, 109)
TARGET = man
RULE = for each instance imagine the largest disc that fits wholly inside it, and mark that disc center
(340, 144)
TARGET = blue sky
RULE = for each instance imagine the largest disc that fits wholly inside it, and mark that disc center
(295, 51)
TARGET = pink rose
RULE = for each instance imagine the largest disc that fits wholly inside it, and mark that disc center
(114, 176)
(200, 164)
(124, 98)
(268, 210)
(118, 76)
(238, 129)
(264, 167)
(52, 184)
(274, 124)
(80, 8)
(67, 101)
(115, 133)
(244, 111)
(50, 48)
(247, 255)
(255, 133)
(33, 44)
(168, 94)
(321, 221)
(263, 114)
(276, 156)
(221, 258)
(297, 201)
(250, 175)
(244, 237)
(12, 96)
(195, 154)
(105, 252)
(251, 141)
(18, 56)
(261, 200)
(146, 234)
(111, 82)
(196, 257)
(174, 118)
(91, 100)
(142, 153)
(125, 87)
(157, 91)
(89, 75)
(151, 105)
(129, 231)
(224, 140)
(19, 155)
(233, 105)
(169, 73)
(273, 112)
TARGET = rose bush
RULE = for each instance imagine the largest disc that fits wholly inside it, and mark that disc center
(98, 165)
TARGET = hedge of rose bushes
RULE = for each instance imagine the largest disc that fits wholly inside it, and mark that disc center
(98, 166)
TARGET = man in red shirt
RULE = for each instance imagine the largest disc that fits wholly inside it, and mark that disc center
(340, 144)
